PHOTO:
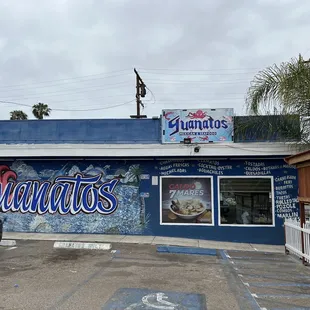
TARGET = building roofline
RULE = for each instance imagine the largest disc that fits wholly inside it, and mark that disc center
(144, 150)
(298, 158)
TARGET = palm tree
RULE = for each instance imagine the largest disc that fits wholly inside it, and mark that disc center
(134, 173)
(18, 115)
(40, 110)
(283, 90)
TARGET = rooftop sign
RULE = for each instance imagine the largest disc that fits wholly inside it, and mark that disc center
(200, 126)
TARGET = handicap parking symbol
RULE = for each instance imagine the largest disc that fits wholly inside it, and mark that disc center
(135, 299)
(155, 301)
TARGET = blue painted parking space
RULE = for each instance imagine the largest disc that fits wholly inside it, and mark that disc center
(273, 280)
(185, 250)
(134, 299)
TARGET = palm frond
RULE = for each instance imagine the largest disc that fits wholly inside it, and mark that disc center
(40, 110)
(286, 87)
(18, 115)
(265, 89)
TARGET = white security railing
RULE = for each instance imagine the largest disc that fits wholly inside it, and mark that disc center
(293, 239)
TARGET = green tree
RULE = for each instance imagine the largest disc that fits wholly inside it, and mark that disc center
(283, 90)
(134, 173)
(40, 110)
(18, 115)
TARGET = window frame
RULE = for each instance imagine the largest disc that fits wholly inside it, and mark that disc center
(271, 178)
(187, 177)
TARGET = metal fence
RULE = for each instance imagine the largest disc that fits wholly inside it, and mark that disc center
(297, 239)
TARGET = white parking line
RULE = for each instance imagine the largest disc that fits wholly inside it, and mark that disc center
(246, 284)
(12, 248)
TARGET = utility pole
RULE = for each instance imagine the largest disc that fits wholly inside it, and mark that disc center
(140, 92)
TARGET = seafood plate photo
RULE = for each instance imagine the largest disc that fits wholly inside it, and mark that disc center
(186, 201)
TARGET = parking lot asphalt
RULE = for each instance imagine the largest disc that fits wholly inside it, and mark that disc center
(274, 281)
(34, 275)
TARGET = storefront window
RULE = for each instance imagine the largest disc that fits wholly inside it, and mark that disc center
(245, 201)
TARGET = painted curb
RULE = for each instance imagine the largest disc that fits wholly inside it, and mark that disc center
(8, 243)
(82, 245)
(185, 250)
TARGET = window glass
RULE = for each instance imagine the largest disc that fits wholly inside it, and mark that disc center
(246, 201)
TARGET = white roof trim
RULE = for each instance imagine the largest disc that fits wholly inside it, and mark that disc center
(139, 150)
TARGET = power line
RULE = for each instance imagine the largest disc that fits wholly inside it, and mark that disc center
(153, 96)
(200, 84)
(72, 110)
(95, 109)
(199, 81)
(190, 100)
(206, 74)
(16, 103)
(58, 84)
(89, 99)
(108, 75)
(199, 70)
(66, 93)
(65, 79)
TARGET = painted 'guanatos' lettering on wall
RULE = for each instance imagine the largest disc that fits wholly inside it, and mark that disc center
(66, 194)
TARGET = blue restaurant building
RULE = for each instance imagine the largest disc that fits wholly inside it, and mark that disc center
(134, 176)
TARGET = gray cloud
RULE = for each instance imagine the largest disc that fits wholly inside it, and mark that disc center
(79, 54)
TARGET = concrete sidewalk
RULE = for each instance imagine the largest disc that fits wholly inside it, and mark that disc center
(145, 240)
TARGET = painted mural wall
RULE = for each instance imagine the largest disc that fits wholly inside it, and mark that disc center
(72, 197)
(145, 197)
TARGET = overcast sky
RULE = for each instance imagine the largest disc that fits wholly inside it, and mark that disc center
(80, 54)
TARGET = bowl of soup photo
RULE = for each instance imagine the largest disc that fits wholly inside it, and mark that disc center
(187, 209)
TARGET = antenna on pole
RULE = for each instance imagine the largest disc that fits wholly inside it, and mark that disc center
(140, 92)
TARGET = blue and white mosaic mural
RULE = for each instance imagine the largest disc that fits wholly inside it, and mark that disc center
(72, 197)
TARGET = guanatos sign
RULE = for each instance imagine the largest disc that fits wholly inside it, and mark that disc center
(66, 194)
(200, 126)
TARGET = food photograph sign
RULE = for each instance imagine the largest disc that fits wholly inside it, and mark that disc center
(186, 201)
(198, 125)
